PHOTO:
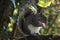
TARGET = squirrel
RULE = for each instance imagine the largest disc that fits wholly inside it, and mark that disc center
(29, 20)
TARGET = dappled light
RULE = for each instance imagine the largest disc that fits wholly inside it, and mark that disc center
(20, 18)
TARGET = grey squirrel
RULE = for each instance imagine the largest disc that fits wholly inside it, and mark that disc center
(29, 21)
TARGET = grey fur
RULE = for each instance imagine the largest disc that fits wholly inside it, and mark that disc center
(29, 19)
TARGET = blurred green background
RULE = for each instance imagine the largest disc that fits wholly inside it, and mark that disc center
(8, 16)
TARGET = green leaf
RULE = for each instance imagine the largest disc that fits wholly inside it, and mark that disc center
(31, 8)
(44, 3)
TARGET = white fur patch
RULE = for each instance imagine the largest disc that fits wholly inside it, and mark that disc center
(34, 29)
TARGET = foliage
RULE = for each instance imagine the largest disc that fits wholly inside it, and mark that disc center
(50, 7)
(44, 3)
(52, 14)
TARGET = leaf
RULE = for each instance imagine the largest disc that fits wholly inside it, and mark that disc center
(42, 31)
(43, 3)
(31, 8)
